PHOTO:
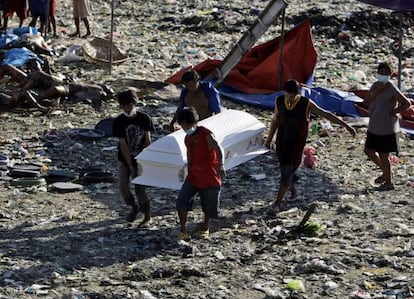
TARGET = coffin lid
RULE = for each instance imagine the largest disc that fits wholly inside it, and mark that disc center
(171, 148)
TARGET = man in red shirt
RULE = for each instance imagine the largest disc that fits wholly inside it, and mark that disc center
(205, 173)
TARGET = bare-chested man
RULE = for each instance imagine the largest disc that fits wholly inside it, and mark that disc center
(201, 95)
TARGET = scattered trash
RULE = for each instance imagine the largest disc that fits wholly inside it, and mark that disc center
(313, 227)
(258, 177)
(310, 161)
(394, 159)
(296, 285)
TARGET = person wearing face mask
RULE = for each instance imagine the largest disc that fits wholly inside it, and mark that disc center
(205, 172)
(384, 101)
(133, 129)
(291, 120)
(201, 95)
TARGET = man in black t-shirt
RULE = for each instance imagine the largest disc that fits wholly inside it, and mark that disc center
(133, 128)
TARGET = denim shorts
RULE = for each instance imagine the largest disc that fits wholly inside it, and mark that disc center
(209, 197)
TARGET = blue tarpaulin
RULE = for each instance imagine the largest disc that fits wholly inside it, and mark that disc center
(19, 56)
(337, 101)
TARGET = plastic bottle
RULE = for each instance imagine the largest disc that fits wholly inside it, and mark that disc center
(314, 128)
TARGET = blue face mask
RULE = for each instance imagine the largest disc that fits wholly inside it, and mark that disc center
(190, 131)
(383, 78)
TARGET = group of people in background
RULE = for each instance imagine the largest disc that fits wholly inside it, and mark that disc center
(290, 123)
(45, 12)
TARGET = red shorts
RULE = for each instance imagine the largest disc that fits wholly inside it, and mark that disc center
(12, 6)
(52, 8)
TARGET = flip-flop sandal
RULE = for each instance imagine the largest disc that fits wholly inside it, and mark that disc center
(379, 180)
(385, 187)
(184, 237)
(273, 211)
(203, 234)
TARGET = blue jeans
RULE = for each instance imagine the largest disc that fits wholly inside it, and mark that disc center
(124, 187)
(209, 196)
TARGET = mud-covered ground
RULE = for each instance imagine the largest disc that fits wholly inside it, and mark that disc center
(78, 245)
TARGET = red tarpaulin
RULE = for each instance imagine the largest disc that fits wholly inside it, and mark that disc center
(257, 72)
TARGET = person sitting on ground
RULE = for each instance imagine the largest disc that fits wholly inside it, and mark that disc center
(291, 120)
(205, 164)
(201, 95)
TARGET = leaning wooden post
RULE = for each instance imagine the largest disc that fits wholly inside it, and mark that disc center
(282, 41)
(112, 37)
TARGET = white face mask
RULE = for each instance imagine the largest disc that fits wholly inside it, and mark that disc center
(190, 131)
(131, 113)
(383, 78)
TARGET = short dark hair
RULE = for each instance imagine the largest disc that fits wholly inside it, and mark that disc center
(127, 96)
(386, 66)
(292, 86)
(187, 115)
(190, 75)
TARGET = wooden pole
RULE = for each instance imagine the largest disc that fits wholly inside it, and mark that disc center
(400, 49)
(112, 37)
(282, 41)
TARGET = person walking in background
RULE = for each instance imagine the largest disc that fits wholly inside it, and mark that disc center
(291, 120)
(81, 11)
(52, 18)
(205, 173)
(201, 95)
(385, 101)
(14, 6)
(133, 129)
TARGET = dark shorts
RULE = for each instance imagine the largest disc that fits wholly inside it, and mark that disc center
(209, 199)
(383, 143)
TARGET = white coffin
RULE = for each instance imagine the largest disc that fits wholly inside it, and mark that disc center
(163, 163)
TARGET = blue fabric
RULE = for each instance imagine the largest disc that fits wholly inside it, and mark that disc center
(19, 57)
(6, 38)
(336, 101)
(266, 101)
(211, 93)
(23, 30)
(333, 100)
